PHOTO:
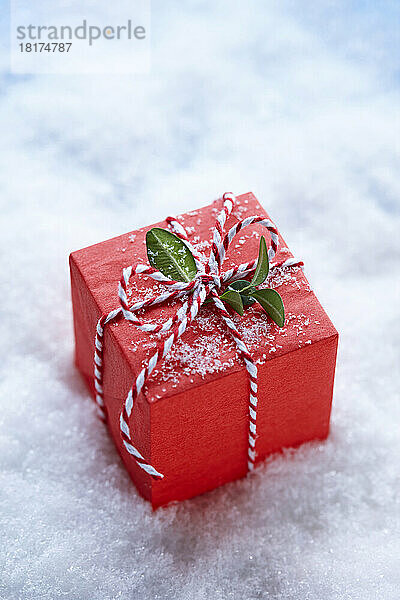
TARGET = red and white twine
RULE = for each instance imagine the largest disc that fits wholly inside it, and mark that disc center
(208, 281)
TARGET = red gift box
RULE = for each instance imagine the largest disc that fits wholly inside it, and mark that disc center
(191, 419)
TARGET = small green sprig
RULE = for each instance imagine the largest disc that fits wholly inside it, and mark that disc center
(242, 293)
(170, 255)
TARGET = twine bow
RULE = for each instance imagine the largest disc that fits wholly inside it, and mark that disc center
(207, 282)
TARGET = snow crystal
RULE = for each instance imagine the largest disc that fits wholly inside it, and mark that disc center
(286, 276)
(202, 357)
(301, 106)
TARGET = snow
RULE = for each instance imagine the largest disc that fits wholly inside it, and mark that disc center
(298, 103)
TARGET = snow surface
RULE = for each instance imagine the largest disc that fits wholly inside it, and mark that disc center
(297, 102)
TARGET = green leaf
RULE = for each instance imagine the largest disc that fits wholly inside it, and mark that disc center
(241, 285)
(234, 300)
(170, 255)
(262, 268)
(272, 303)
(245, 289)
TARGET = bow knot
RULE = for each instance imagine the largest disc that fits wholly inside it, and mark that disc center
(211, 280)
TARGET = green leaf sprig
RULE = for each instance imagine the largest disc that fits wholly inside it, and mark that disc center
(246, 293)
(170, 255)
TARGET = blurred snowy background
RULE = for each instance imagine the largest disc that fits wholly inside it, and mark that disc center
(298, 102)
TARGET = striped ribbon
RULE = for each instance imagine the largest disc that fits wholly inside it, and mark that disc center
(208, 281)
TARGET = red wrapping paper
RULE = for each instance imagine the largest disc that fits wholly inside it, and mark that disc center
(191, 421)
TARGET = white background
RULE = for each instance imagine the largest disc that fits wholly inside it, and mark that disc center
(297, 102)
